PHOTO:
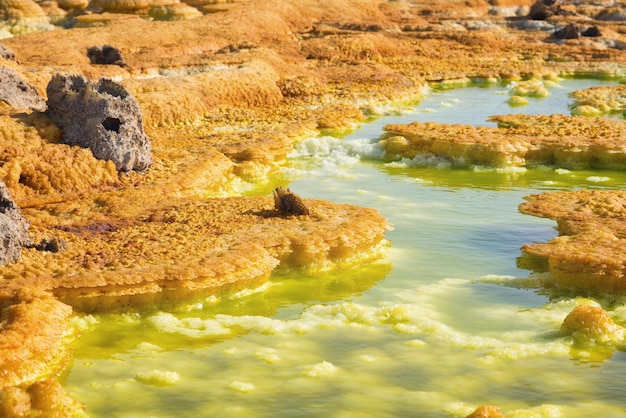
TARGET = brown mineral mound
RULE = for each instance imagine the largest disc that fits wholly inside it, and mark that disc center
(589, 255)
(170, 252)
(591, 325)
(519, 140)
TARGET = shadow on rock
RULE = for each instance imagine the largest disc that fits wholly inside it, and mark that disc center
(13, 228)
(18, 93)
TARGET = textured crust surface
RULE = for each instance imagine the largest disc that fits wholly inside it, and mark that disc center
(33, 331)
(589, 254)
(223, 97)
(519, 140)
(171, 251)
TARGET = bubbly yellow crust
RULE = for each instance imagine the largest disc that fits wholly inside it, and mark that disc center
(589, 253)
(519, 140)
(45, 398)
(34, 329)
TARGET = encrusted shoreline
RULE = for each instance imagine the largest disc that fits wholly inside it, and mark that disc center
(224, 96)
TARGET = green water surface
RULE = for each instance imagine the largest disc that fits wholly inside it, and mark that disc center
(446, 322)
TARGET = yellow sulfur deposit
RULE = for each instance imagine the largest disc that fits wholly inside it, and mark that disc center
(530, 88)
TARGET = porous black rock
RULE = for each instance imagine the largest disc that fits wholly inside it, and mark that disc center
(105, 55)
(103, 117)
(18, 93)
(13, 228)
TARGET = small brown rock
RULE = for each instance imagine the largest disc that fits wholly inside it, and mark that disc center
(289, 203)
(105, 55)
(571, 31)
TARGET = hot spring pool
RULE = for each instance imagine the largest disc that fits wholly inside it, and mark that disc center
(447, 322)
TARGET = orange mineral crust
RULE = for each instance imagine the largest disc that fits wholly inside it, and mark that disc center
(600, 100)
(174, 251)
(45, 398)
(589, 253)
(591, 325)
(225, 89)
(519, 140)
(34, 329)
(37, 169)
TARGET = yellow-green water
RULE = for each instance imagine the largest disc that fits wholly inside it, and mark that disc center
(447, 322)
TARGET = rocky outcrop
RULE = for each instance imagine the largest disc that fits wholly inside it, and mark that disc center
(588, 255)
(105, 55)
(13, 228)
(17, 93)
(570, 31)
(103, 117)
(518, 141)
(544, 9)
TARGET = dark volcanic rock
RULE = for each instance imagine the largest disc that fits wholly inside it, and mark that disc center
(592, 31)
(105, 55)
(13, 228)
(103, 117)
(571, 31)
(544, 9)
(18, 93)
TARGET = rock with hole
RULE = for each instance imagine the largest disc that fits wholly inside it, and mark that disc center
(103, 117)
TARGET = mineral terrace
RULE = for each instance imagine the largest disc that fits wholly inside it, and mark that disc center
(204, 96)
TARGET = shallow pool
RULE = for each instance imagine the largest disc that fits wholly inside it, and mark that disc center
(446, 322)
